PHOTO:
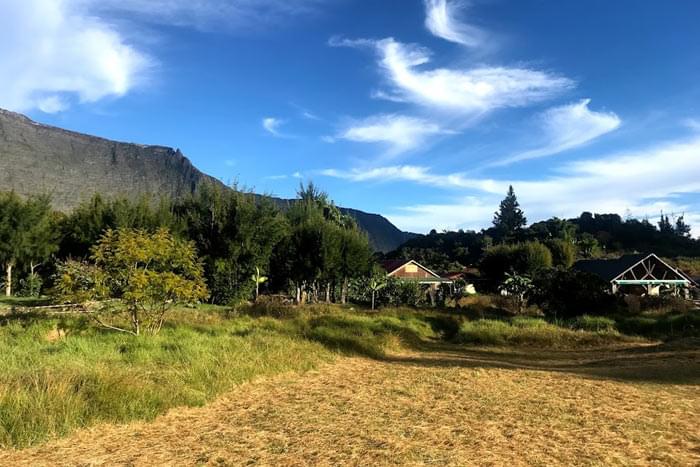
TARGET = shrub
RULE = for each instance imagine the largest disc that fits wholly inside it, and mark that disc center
(568, 293)
(149, 273)
(563, 252)
(532, 257)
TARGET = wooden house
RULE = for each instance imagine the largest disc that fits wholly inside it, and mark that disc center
(409, 270)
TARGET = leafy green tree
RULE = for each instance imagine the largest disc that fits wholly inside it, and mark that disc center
(355, 258)
(11, 235)
(324, 247)
(83, 227)
(235, 233)
(509, 220)
(27, 235)
(148, 272)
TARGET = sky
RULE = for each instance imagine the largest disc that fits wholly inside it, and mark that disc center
(421, 110)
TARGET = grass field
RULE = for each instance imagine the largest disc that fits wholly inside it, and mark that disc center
(329, 386)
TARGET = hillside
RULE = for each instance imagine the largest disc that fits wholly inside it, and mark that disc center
(72, 167)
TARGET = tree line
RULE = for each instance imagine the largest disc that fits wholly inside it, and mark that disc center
(243, 241)
(588, 236)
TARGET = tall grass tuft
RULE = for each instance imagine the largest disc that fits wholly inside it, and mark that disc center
(533, 332)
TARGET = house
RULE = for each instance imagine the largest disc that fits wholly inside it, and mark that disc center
(645, 274)
(409, 270)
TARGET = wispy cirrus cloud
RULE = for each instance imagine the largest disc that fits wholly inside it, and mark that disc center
(468, 91)
(54, 53)
(399, 133)
(642, 181)
(568, 127)
(207, 15)
(441, 20)
(272, 125)
(465, 91)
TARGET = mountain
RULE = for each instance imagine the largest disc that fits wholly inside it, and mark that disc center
(72, 167)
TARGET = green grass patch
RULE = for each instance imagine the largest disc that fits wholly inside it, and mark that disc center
(60, 374)
(57, 375)
(672, 325)
(536, 332)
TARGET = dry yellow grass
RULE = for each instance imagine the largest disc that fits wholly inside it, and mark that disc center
(632, 406)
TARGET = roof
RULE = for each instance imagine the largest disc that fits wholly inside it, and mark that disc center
(391, 265)
(611, 269)
(608, 269)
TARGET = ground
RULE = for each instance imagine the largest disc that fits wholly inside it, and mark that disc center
(447, 405)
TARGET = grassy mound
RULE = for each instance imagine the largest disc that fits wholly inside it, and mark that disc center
(538, 332)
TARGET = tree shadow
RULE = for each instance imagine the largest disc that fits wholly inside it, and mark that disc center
(675, 362)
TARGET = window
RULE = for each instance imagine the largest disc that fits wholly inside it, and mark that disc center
(411, 268)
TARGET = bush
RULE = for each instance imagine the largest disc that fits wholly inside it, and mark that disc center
(568, 294)
(563, 252)
(532, 257)
(148, 273)
(396, 292)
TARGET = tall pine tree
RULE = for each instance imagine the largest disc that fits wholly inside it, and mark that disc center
(509, 219)
(683, 229)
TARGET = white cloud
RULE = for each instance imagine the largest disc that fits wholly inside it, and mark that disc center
(209, 14)
(399, 132)
(272, 126)
(692, 124)
(52, 52)
(642, 181)
(466, 91)
(568, 127)
(441, 22)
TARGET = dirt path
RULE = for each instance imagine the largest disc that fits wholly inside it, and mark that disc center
(462, 408)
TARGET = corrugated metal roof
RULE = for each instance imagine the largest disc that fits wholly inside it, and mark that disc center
(608, 269)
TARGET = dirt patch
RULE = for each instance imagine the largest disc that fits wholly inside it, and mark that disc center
(473, 407)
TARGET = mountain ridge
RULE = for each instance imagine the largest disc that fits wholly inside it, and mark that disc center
(72, 166)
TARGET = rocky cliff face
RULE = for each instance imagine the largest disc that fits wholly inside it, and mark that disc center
(72, 167)
(36, 158)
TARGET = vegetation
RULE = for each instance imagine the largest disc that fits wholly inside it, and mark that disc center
(26, 237)
(509, 221)
(311, 248)
(588, 236)
(58, 374)
(523, 258)
(148, 273)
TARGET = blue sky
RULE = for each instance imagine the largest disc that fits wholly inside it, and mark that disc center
(422, 110)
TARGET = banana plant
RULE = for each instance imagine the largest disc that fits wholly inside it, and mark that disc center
(258, 278)
(375, 285)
